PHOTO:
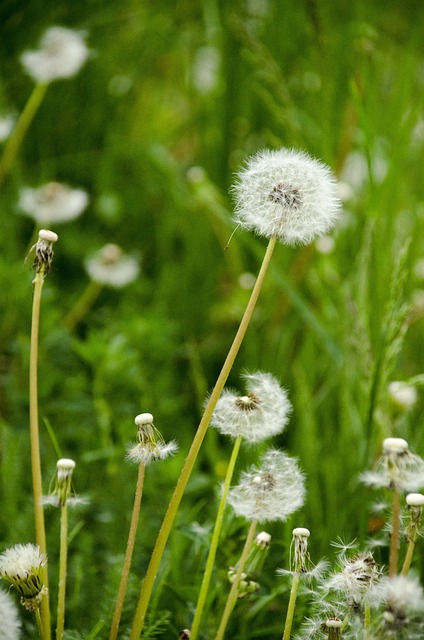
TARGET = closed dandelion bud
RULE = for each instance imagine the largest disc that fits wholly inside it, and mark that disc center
(397, 468)
(271, 492)
(61, 54)
(21, 566)
(111, 267)
(246, 586)
(263, 540)
(150, 445)
(262, 413)
(53, 203)
(287, 194)
(10, 625)
(44, 251)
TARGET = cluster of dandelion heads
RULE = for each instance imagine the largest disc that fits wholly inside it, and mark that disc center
(21, 566)
(61, 54)
(270, 492)
(10, 625)
(287, 194)
(44, 251)
(261, 413)
(150, 445)
(397, 468)
(111, 267)
(53, 202)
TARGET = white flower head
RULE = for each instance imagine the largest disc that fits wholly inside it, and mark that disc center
(53, 202)
(271, 492)
(356, 576)
(44, 251)
(21, 566)
(287, 194)
(10, 624)
(62, 53)
(398, 467)
(262, 413)
(150, 445)
(402, 596)
(402, 394)
(110, 266)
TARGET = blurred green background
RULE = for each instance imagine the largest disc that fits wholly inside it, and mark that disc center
(174, 97)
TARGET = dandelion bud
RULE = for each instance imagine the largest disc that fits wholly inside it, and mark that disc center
(286, 194)
(263, 539)
(44, 251)
(21, 566)
(53, 202)
(184, 634)
(110, 266)
(151, 445)
(246, 586)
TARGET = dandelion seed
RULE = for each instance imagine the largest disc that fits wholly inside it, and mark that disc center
(21, 566)
(110, 266)
(44, 251)
(151, 445)
(62, 53)
(53, 203)
(262, 413)
(271, 492)
(286, 194)
(9, 621)
(397, 467)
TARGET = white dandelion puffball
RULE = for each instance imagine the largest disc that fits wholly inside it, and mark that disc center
(9, 620)
(287, 194)
(271, 492)
(62, 53)
(110, 266)
(53, 202)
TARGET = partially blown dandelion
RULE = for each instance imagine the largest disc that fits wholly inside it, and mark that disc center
(150, 445)
(21, 566)
(110, 266)
(287, 194)
(53, 202)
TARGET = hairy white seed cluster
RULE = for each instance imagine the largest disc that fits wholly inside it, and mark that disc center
(287, 194)
(10, 624)
(262, 413)
(356, 577)
(271, 492)
(111, 267)
(397, 468)
(61, 54)
(21, 566)
(53, 203)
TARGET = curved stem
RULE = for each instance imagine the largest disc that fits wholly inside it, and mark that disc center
(232, 596)
(394, 540)
(21, 127)
(60, 625)
(214, 542)
(40, 532)
(128, 554)
(146, 590)
(291, 605)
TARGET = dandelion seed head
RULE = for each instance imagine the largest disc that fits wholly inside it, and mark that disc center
(401, 595)
(9, 620)
(262, 413)
(61, 54)
(397, 467)
(53, 203)
(110, 266)
(271, 492)
(21, 566)
(263, 539)
(355, 578)
(287, 194)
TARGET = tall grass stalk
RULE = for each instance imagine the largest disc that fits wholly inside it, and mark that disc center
(232, 596)
(21, 127)
(291, 606)
(40, 531)
(128, 553)
(63, 558)
(214, 541)
(147, 588)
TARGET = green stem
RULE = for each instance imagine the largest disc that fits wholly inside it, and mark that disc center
(40, 532)
(146, 590)
(394, 540)
(232, 596)
(39, 624)
(214, 542)
(60, 625)
(82, 305)
(21, 127)
(291, 606)
(128, 554)
(409, 553)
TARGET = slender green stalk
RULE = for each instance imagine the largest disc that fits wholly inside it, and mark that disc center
(214, 542)
(82, 305)
(232, 596)
(128, 554)
(408, 557)
(40, 532)
(60, 625)
(171, 513)
(21, 127)
(394, 540)
(367, 618)
(39, 624)
(291, 606)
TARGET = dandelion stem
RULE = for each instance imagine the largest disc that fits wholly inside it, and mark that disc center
(291, 605)
(21, 127)
(394, 540)
(39, 624)
(60, 625)
(128, 554)
(40, 532)
(214, 542)
(82, 305)
(171, 513)
(232, 596)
